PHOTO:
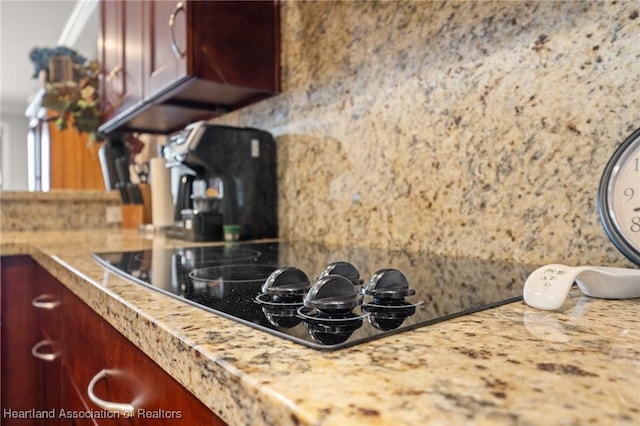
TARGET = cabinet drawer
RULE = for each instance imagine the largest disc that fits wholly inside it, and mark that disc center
(19, 387)
(46, 304)
(88, 349)
(97, 356)
(30, 352)
(47, 353)
(46, 308)
(74, 403)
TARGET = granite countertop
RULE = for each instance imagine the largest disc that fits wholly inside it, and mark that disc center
(60, 195)
(507, 365)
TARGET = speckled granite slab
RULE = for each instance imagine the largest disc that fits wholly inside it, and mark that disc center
(62, 209)
(511, 365)
(475, 128)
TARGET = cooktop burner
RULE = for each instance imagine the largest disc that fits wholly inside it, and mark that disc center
(319, 296)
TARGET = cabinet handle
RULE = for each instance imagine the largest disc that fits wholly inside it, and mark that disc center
(45, 301)
(113, 73)
(49, 357)
(113, 97)
(174, 46)
(114, 407)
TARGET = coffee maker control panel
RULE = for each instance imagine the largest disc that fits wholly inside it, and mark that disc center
(181, 143)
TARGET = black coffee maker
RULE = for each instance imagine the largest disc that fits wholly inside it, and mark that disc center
(231, 179)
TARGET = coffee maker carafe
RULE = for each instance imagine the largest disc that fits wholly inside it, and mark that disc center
(231, 175)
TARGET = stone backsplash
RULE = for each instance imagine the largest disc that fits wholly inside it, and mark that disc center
(463, 128)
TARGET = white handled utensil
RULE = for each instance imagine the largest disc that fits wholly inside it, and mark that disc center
(548, 286)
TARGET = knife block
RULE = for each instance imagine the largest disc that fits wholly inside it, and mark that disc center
(134, 215)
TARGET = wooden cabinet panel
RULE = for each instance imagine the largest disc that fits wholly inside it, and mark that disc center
(29, 382)
(235, 43)
(87, 345)
(111, 45)
(166, 39)
(49, 375)
(46, 307)
(46, 304)
(74, 403)
(88, 350)
(134, 51)
(202, 57)
(122, 53)
(156, 393)
(19, 333)
(74, 165)
(92, 345)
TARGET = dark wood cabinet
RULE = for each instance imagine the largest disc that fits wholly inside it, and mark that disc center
(46, 307)
(194, 59)
(29, 341)
(111, 45)
(60, 356)
(166, 37)
(121, 57)
(133, 14)
(19, 371)
(74, 403)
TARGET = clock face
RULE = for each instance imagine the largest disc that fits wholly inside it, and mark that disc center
(619, 198)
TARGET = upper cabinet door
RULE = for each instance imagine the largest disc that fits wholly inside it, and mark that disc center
(133, 54)
(122, 56)
(196, 59)
(111, 43)
(166, 42)
(236, 43)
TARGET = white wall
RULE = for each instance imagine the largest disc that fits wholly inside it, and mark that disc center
(14, 151)
(24, 25)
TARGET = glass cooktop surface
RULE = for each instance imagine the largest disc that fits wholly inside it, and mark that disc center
(230, 281)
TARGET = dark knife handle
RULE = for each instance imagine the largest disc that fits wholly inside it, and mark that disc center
(134, 193)
(124, 195)
(122, 170)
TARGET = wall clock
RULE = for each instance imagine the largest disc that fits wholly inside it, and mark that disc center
(619, 198)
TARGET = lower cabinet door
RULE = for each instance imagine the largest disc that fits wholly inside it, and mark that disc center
(117, 380)
(20, 390)
(48, 355)
(46, 307)
(75, 411)
(60, 359)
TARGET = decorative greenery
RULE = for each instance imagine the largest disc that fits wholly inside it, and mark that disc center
(76, 102)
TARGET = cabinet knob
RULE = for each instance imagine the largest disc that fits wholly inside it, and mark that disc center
(114, 407)
(45, 301)
(49, 357)
(174, 46)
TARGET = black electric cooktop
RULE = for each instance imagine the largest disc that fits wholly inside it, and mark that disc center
(329, 297)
